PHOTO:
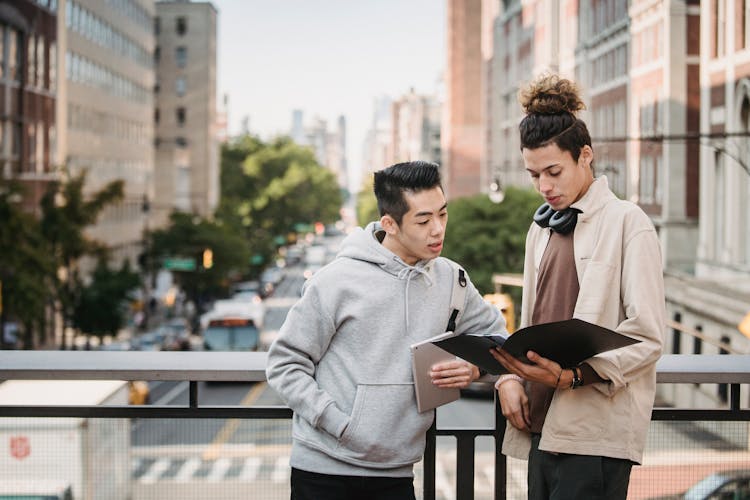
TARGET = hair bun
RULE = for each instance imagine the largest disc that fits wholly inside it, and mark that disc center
(550, 95)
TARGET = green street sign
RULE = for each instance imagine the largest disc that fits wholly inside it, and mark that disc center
(179, 264)
(256, 259)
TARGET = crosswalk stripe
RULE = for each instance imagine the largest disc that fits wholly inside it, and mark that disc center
(281, 472)
(187, 470)
(220, 467)
(155, 471)
(250, 469)
(441, 482)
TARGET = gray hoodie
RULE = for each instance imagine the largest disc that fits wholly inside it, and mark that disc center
(342, 361)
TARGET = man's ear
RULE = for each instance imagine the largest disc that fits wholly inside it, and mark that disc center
(586, 156)
(388, 224)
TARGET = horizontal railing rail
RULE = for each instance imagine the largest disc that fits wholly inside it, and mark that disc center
(193, 367)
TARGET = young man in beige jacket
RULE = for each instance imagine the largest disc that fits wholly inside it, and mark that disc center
(592, 256)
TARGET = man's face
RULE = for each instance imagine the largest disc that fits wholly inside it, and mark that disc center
(420, 235)
(560, 179)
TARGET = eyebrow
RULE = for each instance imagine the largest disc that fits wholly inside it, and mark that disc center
(427, 212)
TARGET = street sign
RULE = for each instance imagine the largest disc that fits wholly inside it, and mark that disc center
(179, 264)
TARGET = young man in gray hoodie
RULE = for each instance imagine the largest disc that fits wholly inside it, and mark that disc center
(342, 360)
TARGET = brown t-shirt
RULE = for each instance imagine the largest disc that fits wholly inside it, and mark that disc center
(556, 295)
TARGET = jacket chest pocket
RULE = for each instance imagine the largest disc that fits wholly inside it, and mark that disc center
(599, 285)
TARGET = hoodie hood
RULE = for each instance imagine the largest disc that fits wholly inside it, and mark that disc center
(366, 245)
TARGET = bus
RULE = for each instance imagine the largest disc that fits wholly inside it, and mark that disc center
(233, 325)
(231, 334)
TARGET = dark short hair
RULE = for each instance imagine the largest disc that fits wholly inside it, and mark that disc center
(391, 183)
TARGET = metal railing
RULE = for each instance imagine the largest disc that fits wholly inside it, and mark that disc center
(193, 367)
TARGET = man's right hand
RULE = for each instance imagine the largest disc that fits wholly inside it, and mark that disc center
(514, 404)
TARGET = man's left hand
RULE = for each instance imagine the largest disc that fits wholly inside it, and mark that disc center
(458, 373)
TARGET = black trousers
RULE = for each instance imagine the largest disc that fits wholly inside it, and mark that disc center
(313, 486)
(572, 477)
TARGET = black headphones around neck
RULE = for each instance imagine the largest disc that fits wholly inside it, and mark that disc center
(562, 222)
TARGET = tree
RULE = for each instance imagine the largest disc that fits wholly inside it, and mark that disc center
(367, 204)
(25, 268)
(188, 236)
(102, 305)
(488, 238)
(67, 211)
(268, 189)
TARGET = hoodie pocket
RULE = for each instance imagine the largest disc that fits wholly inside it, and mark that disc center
(384, 426)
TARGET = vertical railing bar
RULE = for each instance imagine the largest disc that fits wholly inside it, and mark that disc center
(501, 461)
(428, 480)
(734, 394)
(465, 466)
(193, 394)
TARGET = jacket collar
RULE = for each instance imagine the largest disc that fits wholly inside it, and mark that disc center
(594, 199)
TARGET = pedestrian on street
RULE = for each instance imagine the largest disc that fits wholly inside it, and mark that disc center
(342, 360)
(592, 256)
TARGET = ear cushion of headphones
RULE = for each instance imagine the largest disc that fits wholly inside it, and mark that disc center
(564, 221)
(543, 214)
(561, 222)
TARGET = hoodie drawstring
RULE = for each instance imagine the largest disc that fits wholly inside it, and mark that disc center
(408, 273)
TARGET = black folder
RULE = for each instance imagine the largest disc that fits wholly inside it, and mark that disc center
(566, 342)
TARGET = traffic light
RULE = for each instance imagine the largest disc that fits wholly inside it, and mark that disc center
(208, 258)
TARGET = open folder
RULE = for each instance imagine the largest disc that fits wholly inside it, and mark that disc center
(566, 342)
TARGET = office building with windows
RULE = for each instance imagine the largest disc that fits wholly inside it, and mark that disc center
(28, 84)
(187, 148)
(105, 118)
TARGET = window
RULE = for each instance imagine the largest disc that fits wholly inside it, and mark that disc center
(180, 56)
(181, 142)
(157, 25)
(156, 115)
(180, 86)
(181, 25)
(157, 54)
(181, 116)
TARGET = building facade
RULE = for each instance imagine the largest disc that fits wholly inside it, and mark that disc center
(187, 147)
(28, 88)
(105, 118)
(415, 134)
(461, 130)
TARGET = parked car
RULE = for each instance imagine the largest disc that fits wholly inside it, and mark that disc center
(721, 485)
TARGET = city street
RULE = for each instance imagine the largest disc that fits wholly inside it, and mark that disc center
(192, 458)
(236, 458)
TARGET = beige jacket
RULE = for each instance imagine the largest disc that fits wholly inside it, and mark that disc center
(619, 268)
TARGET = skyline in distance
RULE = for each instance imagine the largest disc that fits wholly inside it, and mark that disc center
(327, 59)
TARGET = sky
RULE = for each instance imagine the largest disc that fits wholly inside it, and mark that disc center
(327, 58)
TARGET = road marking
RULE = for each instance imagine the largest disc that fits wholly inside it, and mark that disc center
(214, 449)
(187, 470)
(220, 467)
(441, 482)
(155, 471)
(250, 469)
(281, 471)
(173, 393)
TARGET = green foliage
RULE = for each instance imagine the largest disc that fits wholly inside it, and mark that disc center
(102, 305)
(67, 211)
(187, 236)
(26, 264)
(267, 189)
(367, 204)
(488, 238)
